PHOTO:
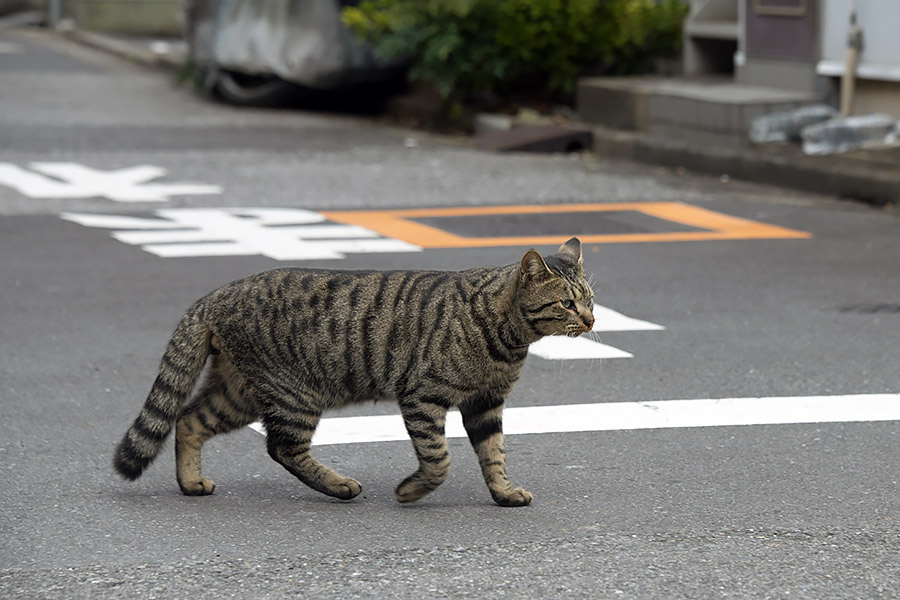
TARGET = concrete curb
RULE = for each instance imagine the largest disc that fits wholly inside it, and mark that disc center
(131, 51)
(784, 165)
(21, 19)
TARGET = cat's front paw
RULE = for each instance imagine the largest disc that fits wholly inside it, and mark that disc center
(512, 497)
(347, 489)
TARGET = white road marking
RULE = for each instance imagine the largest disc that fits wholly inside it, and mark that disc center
(278, 233)
(565, 348)
(72, 180)
(605, 319)
(11, 48)
(615, 416)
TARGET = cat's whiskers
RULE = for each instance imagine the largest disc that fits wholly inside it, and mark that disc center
(595, 337)
(558, 367)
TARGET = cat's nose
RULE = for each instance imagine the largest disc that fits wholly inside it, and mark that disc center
(588, 321)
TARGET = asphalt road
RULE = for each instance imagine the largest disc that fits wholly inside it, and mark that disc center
(801, 510)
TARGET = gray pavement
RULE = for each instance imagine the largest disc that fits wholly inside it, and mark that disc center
(803, 510)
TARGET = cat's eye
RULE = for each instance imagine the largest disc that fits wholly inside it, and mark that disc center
(567, 304)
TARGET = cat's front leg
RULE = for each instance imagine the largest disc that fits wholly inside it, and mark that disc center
(483, 420)
(425, 418)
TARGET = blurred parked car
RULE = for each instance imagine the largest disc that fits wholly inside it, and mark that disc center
(267, 52)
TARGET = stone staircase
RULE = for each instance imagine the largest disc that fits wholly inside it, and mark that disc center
(703, 110)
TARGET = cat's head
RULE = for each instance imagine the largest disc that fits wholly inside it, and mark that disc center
(553, 293)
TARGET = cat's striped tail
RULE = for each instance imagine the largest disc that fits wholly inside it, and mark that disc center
(181, 365)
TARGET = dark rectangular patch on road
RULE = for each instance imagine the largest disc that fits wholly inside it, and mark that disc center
(560, 223)
(553, 224)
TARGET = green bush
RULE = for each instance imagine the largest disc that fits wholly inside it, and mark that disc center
(465, 47)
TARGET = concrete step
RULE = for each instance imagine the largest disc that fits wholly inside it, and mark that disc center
(703, 110)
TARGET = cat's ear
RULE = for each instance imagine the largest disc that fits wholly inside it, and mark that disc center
(572, 249)
(533, 267)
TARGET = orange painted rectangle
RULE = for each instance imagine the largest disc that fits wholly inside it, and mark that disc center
(398, 224)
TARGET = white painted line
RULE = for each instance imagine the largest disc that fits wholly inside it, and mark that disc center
(176, 236)
(564, 348)
(204, 249)
(583, 347)
(114, 221)
(11, 48)
(606, 319)
(615, 416)
(72, 180)
(293, 250)
(279, 233)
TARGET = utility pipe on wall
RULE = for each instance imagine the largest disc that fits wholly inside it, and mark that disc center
(851, 59)
(54, 13)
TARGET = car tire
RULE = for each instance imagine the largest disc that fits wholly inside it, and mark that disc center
(252, 90)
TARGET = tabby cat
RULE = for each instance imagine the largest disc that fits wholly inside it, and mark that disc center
(286, 345)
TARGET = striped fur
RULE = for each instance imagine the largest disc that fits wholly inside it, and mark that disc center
(288, 344)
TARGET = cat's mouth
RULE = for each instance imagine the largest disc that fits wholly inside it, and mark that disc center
(576, 329)
(573, 331)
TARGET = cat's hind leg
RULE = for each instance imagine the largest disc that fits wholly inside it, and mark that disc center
(219, 406)
(425, 419)
(290, 421)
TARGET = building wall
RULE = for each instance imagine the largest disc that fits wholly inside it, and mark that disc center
(780, 44)
(136, 17)
(878, 70)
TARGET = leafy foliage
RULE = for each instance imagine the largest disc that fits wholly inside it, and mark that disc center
(469, 46)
